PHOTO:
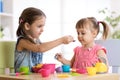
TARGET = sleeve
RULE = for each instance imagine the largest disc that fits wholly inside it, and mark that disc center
(77, 50)
(104, 49)
(99, 47)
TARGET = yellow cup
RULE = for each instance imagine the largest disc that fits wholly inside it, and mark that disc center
(91, 71)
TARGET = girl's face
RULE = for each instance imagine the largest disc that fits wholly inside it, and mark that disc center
(86, 36)
(36, 28)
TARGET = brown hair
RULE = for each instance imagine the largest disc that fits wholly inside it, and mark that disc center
(94, 24)
(28, 15)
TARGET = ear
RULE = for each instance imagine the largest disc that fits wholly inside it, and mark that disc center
(27, 26)
(94, 33)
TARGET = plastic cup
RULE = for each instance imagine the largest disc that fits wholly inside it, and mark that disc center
(45, 72)
(7, 71)
(58, 69)
(81, 70)
(24, 69)
(66, 68)
(91, 71)
(51, 67)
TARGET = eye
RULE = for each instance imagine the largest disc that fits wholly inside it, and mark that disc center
(83, 33)
(39, 26)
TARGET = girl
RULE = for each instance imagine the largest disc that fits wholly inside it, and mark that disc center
(29, 49)
(89, 53)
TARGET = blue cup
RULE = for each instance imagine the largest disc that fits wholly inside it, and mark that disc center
(66, 68)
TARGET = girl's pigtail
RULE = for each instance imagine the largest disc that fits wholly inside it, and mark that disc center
(105, 29)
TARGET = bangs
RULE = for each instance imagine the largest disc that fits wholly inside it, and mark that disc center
(82, 24)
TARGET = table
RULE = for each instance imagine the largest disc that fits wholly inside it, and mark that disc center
(107, 76)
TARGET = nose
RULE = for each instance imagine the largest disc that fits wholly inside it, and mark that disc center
(79, 35)
(42, 30)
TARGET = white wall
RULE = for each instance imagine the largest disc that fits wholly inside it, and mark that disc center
(62, 16)
(115, 6)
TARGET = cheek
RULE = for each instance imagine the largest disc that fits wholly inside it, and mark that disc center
(40, 29)
(37, 30)
(34, 32)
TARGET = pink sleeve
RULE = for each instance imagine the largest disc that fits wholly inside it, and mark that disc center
(76, 49)
(104, 49)
(99, 47)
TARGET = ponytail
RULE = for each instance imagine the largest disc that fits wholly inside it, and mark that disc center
(105, 29)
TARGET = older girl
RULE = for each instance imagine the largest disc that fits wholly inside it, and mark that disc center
(29, 49)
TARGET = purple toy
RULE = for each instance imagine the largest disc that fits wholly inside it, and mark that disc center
(59, 69)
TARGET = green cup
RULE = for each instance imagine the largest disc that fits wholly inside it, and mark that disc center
(24, 70)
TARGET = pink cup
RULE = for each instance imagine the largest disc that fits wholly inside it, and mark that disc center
(81, 70)
(45, 72)
(51, 67)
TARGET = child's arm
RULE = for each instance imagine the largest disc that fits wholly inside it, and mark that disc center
(72, 60)
(102, 57)
(60, 58)
(26, 44)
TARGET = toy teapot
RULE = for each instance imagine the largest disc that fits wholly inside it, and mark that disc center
(101, 67)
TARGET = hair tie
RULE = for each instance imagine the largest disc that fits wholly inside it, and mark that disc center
(98, 22)
(21, 20)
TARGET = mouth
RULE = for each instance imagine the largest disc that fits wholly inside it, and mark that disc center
(81, 40)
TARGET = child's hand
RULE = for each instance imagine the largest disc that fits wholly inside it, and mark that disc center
(59, 57)
(67, 39)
